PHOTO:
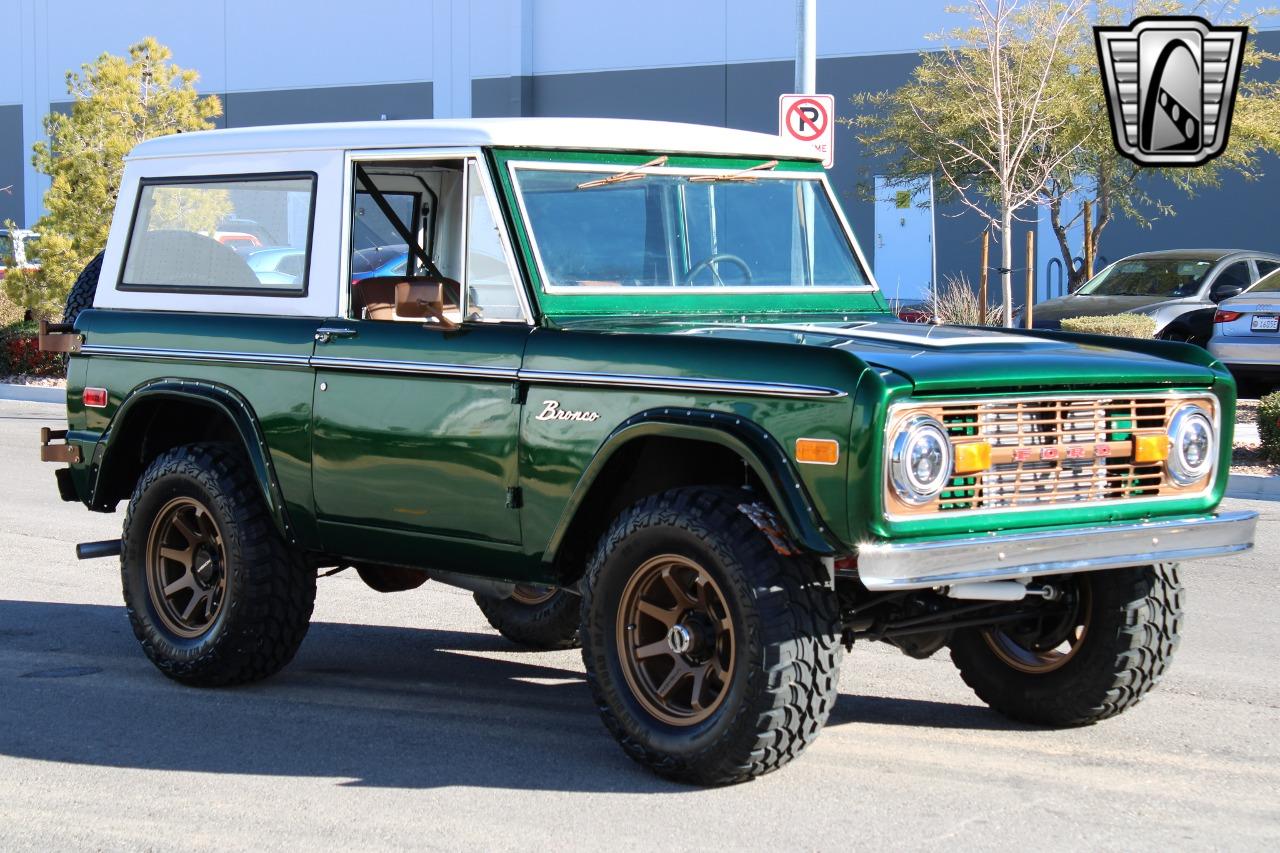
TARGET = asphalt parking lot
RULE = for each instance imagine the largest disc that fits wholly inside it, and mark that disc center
(406, 722)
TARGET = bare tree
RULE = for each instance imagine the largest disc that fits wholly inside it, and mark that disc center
(980, 113)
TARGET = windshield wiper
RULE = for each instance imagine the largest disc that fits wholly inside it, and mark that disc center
(744, 175)
(632, 174)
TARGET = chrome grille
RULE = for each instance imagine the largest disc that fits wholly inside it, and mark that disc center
(1051, 451)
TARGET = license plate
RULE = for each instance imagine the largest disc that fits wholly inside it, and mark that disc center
(1266, 323)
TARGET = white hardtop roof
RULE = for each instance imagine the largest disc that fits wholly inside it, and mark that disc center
(594, 134)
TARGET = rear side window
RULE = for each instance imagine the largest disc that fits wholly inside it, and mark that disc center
(198, 235)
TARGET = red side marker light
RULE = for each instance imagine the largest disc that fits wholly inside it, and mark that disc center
(95, 398)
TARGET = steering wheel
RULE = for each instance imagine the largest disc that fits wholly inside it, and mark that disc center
(711, 264)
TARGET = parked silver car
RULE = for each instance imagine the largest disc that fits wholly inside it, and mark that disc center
(1178, 289)
(1246, 333)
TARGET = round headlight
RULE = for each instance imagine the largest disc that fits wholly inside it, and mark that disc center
(1191, 450)
(920, 465)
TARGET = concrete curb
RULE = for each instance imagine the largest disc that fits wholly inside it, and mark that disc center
(1253, 487)
(33, 393)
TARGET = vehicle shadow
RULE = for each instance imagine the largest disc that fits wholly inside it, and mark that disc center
(364, 705)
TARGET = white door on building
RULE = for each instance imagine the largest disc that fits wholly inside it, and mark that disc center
(903, 242)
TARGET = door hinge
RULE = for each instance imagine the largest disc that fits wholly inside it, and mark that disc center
(515, 497)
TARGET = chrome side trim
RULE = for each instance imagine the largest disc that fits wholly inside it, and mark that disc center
(155, 354)
(675, 383)
(420, 368)
(921, 565)
(463, 371)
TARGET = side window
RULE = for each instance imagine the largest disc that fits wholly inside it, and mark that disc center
(379, 249)
(491, 286)
(199, 235)
(1236, 275)
(1265, 268)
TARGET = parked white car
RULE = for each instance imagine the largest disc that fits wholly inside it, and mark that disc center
(1246, 334)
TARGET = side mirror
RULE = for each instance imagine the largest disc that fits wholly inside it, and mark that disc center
(423, 298)
(1223, 291)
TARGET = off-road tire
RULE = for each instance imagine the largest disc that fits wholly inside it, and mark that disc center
(270, 590)
(86, 285)
(1133, 631)
(787, 652)
(552, 624)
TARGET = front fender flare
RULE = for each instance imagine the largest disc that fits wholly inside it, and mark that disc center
(750, 441)
(225, 400)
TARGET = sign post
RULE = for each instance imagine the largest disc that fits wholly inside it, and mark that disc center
(811, 119)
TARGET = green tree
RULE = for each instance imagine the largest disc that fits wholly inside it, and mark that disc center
(117, 103)
(945, 122)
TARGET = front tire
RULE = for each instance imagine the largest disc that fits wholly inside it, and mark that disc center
(712, 658)
(1092, 657)
(535, 616)
(213, 593)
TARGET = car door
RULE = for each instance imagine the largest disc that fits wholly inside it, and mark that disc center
(416, 425)
(1198, 322)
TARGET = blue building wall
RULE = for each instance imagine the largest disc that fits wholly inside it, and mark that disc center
(710, 61)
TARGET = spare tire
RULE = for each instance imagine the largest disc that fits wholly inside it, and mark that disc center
(82, 292)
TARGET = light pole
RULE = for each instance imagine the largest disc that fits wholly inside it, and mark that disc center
(806, 47)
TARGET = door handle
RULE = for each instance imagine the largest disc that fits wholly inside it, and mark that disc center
(324, 334)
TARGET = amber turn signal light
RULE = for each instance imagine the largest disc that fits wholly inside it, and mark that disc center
(1150, 448)
(972, 456)
(817, 451)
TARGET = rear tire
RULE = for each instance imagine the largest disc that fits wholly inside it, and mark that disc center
(712, 658)
(1127, 624)
(82, 292)
(537, 617)
(213, 593)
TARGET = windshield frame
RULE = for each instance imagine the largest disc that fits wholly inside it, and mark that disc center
(785, 171)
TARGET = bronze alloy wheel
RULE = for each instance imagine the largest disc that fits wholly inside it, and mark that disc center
(186, 567)
(675, 640)
(532, 594)
(1046, 643)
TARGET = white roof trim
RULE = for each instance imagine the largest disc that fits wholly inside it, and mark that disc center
(594, 134)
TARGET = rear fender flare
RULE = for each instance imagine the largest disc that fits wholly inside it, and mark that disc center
(219, 397)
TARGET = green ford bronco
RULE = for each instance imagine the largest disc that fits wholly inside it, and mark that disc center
(633, 385)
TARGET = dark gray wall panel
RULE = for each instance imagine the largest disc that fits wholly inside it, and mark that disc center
(336, 103)
(13, 161)
(693, 94)
(502, 96)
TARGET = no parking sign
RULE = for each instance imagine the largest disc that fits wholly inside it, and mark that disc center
(809, 118)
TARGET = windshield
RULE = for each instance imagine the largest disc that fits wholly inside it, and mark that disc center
(1140, 277)
(648, 229)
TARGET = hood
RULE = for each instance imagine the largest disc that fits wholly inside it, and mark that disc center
(1051, 312)
(958, 358)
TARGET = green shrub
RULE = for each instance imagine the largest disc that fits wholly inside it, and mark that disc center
(1269, 426)
(1118, 325)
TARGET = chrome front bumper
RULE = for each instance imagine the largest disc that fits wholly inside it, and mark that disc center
(1003, 556)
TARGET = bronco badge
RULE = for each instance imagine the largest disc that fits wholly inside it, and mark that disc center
(551, 411)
